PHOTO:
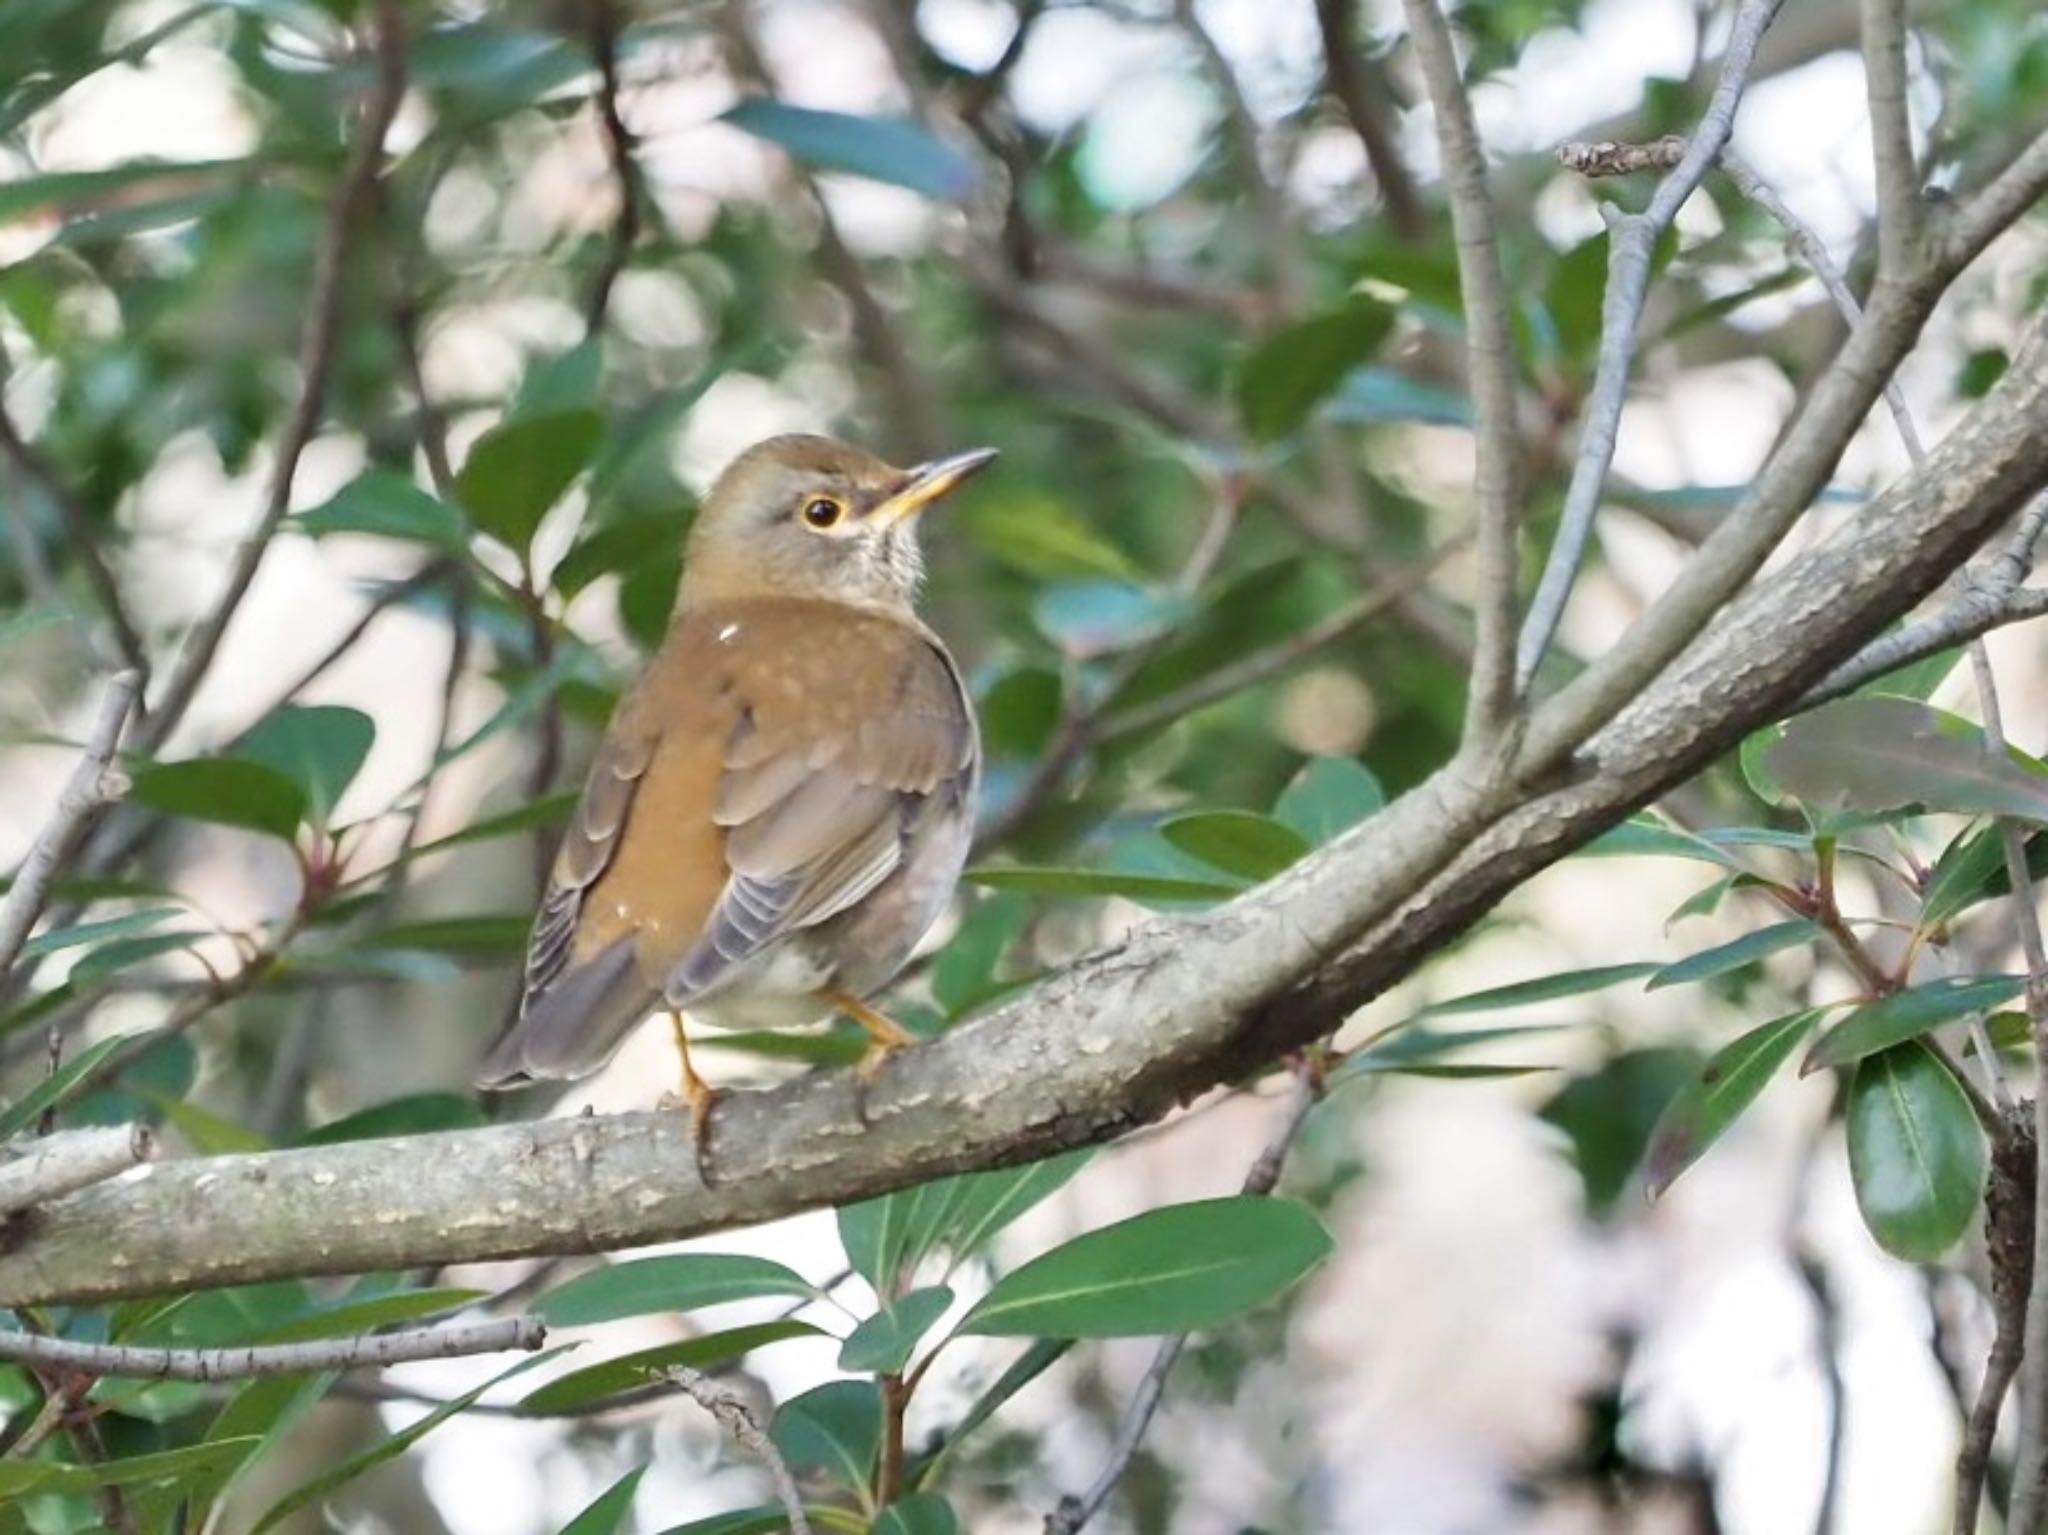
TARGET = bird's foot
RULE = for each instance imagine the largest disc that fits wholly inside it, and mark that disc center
(886, 1037)
(699, 1096)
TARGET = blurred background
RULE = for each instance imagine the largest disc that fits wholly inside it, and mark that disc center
(1187, 265)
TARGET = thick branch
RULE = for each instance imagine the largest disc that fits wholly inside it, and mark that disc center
(1490, 370)
(369, 1351)
(1174, 1008)
(68, 1161)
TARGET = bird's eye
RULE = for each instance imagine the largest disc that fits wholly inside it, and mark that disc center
(822, 511)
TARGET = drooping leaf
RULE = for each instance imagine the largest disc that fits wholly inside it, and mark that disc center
(1252, 847)
(1877, 754)
(320, 748)
(387, 505)
(884, 1342)
(964, 973)
(521, 466)
(1715, 1098)
(1607, 1116)
(1916, 1152)
(922, 1513)
(1179, 1269)
(579, 1388)
(210, 1134)
(1328, 797)
(894, 150)
(1746, 950)
(1908, 1014)
(223, 790)
(680, 1282)
(1099, 882)
(1544, 988)
(611, 1511)
(835, 1428)
(1286, 375)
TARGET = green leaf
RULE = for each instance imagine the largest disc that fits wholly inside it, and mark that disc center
(58, 939)
(964, 973)
(1877, 754)
(1715, 1098)
(1544, 988)
(124, 953)
(682, 1282)
(1907, 1014)
(884, 1342)
(619, 547)
(210, 1134)
(387, 505)
(1746, 950)
(1328, 797)
(1040, 536)
(742, 1521)
(1238, 842)
(894, 150)
(975, 1207)
(922, 1513)
(1608, 1116)
(1286, 375)
(1032, 1363)
(317, 1491)
(521, 466)
(133, 183)
(612, 1510)
(56, 1088)
(224, 790)
(1645, 837)
(545, 811)
(1414, 1050)
(1916, 1153)
(1099, 882)
(413, 1114)
(193, 1467)
(368, 1314)
(568, 381)
(835, 1428)
(320, 748)
(1181, 1269)
(579, 1388)
(1972, 869)
(483, 933)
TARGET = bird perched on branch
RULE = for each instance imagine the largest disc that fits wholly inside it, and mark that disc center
(781, 806)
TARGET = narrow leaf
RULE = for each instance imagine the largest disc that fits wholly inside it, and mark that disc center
(579, 1388)
(682, 1282)
(1544, 988)
(1714, 1099)
(612, 1510)
(387, 505)
(1292, 371)
(1746, 950)
(922, 1513)
(1100, 882)
(894, 150)
(1907, 1014)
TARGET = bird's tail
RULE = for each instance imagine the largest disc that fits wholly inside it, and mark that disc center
(572, 1028)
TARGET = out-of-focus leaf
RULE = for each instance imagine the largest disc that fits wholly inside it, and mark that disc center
(1919, 679)
(57, 1087)
(484, 933)
(194, 1467)
(112, 958)
(680, 1282)
(743, 1521)
(612, 1509)
(210, 1134)
(1184, 1268)
(1608, 1116)
(1980, 370)
(1645, 837)
(894, 150)
(964, 973)
(1544, 988)
(1916, 1154)
(1328, 797)
(1415, 1050)
(413, 1114)
(1286, 375)
(628, 1372)
(1908, 1014)
(836, 1047)
(1746, 950)
(835, 1428)
(1715, 1098)
(1043, 537)
(387, 505)
(1879, 754)
(1099, 882)
(69, 194)
(320, 748)
(1372, 396)
(1252, 847)
(224, 790)
(922, 1513)
(57, 939)
(1972, 869)
(521, 466)
(1021, 711)
(534, 813)
(618, 548)
(884, 1342)
(1093, 618)
(367, 1314)
(567, 381)
(317, 1490)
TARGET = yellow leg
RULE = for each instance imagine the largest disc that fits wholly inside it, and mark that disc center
(700, 1095)
(888, 1034)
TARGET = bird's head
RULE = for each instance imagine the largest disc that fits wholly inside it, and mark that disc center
(810, 517)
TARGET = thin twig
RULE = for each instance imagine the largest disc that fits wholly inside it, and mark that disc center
(85, 791)
(1370, 111)
(1975, 613)
(1891, 134)
(1997, 205)
(1490, 372)
(365, 1351)
(1631, 244)
(2009, 1247)
(1076, 1509)
(618, 142)
(64, 1163)
(317, 344)
(736, 1416)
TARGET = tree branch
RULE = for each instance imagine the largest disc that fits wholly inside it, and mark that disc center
(1173, 1008)
(345, 215)
(64, 1163)
(1490, 371)
(1365, 105)
(1891, 134)
(618, 143)
(737, 1418)
(85, 791)
(1631, 245)
(365, 1351)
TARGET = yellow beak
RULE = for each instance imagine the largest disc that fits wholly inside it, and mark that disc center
(928, 483)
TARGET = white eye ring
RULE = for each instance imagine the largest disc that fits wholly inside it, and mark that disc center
(822, 512)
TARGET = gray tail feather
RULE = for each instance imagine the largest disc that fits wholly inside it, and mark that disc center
(572, 1028)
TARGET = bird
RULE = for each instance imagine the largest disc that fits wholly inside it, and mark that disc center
(781, 805)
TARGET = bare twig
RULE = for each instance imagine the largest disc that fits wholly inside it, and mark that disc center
(1366, 104)
(64, 1163)
(1631, 244)
(90, 786)
(736, 1417)
(1993, 209)
(1490, 369)
(1076, 1509)
(618, 141)
(345, 216)
(1609, 158)
(364, 1351)
(1891, 135)
(2009, 1245)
